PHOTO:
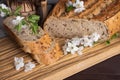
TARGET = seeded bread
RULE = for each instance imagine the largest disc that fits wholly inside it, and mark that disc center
(103, 12)
(42, 47)
(69, 28)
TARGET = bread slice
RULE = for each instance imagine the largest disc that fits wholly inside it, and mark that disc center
(42, 47)
(69, 28)
(106, 13)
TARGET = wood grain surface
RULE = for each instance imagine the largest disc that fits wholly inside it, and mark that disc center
(63, 68)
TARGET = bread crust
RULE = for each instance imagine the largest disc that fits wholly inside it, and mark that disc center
(108, 12)
(45, 49)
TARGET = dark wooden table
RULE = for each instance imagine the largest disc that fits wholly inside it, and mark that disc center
(107, 70)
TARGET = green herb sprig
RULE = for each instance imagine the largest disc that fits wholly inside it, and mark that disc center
(69, 8)
(33, 20)
(116, 35)
(19, 26)
(6, 11)
(17, 11)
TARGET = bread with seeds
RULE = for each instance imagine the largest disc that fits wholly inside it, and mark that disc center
(100, 16)
(43, 48)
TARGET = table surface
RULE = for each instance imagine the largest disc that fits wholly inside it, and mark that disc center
(107, 70)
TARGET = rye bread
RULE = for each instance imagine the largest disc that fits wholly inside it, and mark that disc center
(105, 12)
(42, 47)
(69, 28)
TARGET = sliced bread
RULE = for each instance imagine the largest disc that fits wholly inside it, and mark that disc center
(42, 47)
(69, 28)
(100, 16)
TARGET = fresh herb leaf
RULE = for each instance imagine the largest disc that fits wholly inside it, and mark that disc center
(34, 28)
(23, 22)
(0, 8)
(33, 18)
(6, 11)
(108, 42)
(68, 9)
(95, 42)
(17, 11)
(116, 35)
(18, 27)
(32, 21)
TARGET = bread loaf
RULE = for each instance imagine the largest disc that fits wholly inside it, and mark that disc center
(106, 13)
(69, 28)
(41, 46)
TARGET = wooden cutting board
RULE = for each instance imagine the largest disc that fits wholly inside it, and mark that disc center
(63, 68)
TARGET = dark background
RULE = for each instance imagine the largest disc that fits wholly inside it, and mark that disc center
(107, 70)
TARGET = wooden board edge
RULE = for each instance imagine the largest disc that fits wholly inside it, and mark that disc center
(82, 65)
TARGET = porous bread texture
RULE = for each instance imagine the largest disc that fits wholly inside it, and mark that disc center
(43, 48)
(26, 33)
(104, 12)
(69, 27)
(113, 24)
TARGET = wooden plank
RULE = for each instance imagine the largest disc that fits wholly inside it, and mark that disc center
(84, 64)
(65, 67)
